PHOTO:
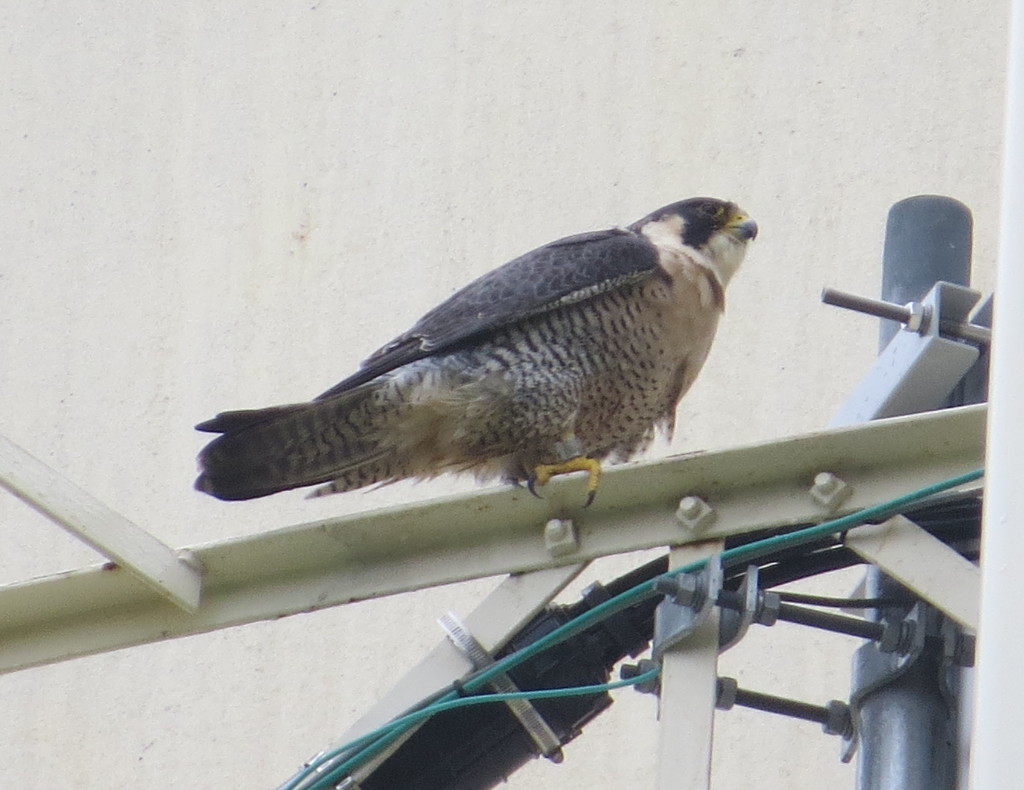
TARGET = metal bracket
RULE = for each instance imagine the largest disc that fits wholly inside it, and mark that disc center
(920, 366)
(878, 664)
(740, 609)
(545, 738)
(689, 600)
(875, 667)
(916, 316)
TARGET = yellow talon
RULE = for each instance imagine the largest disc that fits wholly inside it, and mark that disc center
(542, 473)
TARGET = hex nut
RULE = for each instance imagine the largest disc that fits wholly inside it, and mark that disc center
(694, 513)
(725, 693)
(829, 491)
(839, 719)
(560, 537)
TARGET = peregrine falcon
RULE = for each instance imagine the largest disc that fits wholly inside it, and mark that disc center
(574, 353)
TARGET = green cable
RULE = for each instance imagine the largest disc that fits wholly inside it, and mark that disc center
(386, 734)
(730, 557)
(402, 723)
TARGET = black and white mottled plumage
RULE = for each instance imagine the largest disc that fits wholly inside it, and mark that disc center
(573, 353)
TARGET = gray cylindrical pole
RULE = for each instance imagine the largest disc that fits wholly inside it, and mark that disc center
(927, 239)
(907, 728)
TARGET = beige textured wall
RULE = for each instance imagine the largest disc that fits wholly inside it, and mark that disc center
(214, 205)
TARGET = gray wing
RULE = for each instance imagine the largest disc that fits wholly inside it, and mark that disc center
(566, 271)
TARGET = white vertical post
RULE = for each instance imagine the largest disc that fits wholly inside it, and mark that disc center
(995, 754)
(689, 677)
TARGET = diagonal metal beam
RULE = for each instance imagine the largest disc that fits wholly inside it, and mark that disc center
(493, 622)
(924, 564)
(493, 532)
(152, 562)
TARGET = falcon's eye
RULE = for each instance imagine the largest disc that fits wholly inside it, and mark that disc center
(713, 210)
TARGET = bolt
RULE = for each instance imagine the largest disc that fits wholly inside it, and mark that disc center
(839, 721)
(629, 671)
(560, 537)
(689, 507)
(826, 483)
(768, 606)
(829, 491)
(897, 637)
(642, 667)
(917, 317)
(694, 513)
(684, 589)
(725, 693)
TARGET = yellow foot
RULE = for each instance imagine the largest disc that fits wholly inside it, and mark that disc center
(544, 472)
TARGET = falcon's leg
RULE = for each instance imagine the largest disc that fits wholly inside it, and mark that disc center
(574, 461)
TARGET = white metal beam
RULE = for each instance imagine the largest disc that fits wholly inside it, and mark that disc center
(924, 564)
(689, 685)
(498, 617)
(155, 564)
(494, 532)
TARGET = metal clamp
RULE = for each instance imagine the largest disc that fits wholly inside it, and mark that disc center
(921, 365)
(876, 664)
(467, 644)
(951, 303)
(689, 600)
(744, 607)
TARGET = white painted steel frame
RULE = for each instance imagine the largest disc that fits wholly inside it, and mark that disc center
(153, 563)
(689, 685)
(924, 564)
(322, 564)
(493, 622)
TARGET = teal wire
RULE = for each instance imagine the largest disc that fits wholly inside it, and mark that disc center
(736, 556)
(464, 702)
(401, 724)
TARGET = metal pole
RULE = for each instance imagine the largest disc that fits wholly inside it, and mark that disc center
(906, 726)
(927, 239)
(1000, 692)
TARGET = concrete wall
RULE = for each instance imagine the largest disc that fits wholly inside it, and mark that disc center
(212, 205)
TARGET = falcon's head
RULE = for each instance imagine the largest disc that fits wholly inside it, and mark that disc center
(717, 230)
